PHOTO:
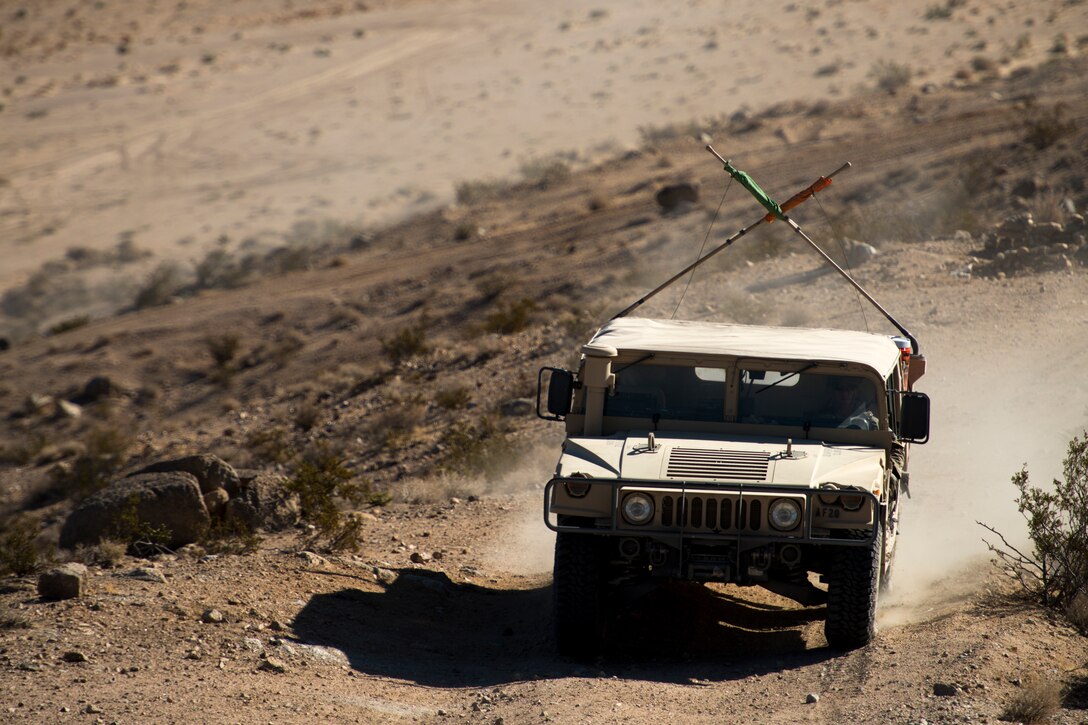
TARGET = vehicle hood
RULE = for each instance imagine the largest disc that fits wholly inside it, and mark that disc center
(762, 461)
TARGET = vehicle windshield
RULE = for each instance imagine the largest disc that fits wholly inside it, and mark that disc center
(671, 392)
(805, 399)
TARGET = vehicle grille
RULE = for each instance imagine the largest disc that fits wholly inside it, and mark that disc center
(712, 513)
(728, 465)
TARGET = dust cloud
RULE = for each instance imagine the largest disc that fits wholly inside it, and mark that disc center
(997, 405)
(524, 545)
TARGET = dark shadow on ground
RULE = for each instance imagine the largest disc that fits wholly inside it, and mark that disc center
(427, 629)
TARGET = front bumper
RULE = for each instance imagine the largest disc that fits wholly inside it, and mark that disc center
(696, 510)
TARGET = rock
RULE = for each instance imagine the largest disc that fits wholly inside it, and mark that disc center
(277, 626)
(264, 503)
(148, 574)
(168, 501)
(68, 409)
(74, 656)
(216, 502)
(98, 388)
(676, 197)
(212, 616)
(419, 557)
(517, 407)
(385, 576)
(272, 665)
(66, 581)
(943, 689)
(858, 253)
(811, 698)
(211, 472)
(92, 710)
(313, 559)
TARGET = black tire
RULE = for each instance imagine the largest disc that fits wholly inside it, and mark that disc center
(578, 587)
(852, 590)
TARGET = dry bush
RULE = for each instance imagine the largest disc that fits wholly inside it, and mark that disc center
(439, 489)
(19, 553)
(69, 324)
(544, 173)
(407, 343)
(890, 76)
(107, 553)
(105, 451)
(480, 190)
(1037, 700)
(306, 415)
(13, 620)
(162, 284)
(483, 447)
(1077, 611)
(269, 445)
(466, 229)
(398, 424)
(1044, 127)
(453, 398)
(223, 348)
(22, 453)
(511, 318)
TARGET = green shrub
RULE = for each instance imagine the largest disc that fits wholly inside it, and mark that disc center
(1055, 569)
(323, 481)
(141, 537)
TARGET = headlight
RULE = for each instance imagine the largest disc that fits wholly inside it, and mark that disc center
(784, 514)
(638, 508)
(576, 489)
(852, 503)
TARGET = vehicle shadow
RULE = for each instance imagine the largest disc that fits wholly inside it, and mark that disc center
(427, 629)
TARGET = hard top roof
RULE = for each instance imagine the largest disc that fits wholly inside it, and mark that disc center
(633, 334)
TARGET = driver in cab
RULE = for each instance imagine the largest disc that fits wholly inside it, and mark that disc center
(851, 403)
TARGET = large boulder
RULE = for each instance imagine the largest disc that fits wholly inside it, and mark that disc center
(264, 503)
(211, 472)
(169, 502)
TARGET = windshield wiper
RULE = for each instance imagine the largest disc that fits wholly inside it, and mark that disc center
(632, 364)
(784, 378)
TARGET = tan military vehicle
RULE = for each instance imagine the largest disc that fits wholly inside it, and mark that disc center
(729, 453)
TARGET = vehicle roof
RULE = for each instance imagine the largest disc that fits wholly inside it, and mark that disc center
(633, 334)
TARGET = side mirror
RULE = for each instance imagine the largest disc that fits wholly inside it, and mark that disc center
(914, 418)
(560, 393)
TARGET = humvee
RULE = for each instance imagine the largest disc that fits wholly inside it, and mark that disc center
(740, 454)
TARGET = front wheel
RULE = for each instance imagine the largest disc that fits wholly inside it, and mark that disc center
(852, 587)
(578, 587)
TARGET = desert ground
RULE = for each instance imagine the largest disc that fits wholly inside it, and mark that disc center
(278, 227)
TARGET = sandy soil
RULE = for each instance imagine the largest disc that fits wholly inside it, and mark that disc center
(178, 126)
(370, 635)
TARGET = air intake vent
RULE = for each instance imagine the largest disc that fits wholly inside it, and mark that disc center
(688, 463)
